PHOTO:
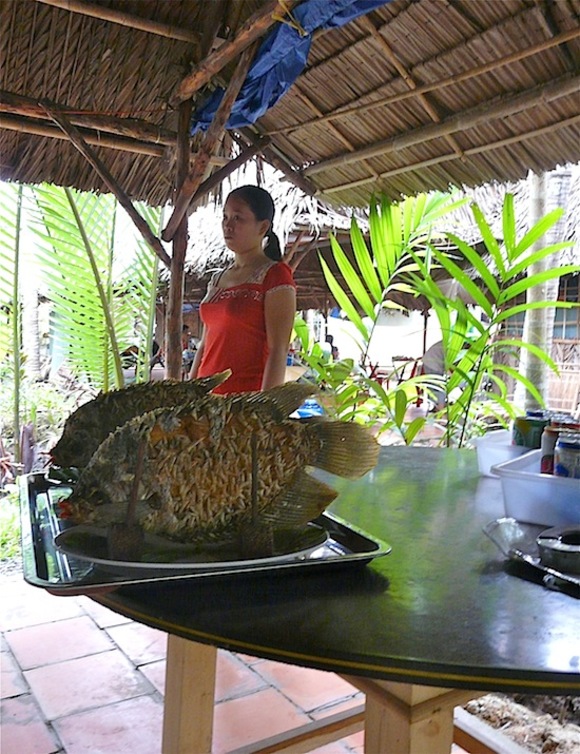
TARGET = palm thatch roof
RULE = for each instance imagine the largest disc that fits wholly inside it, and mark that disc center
(304, 225)
(412, 96)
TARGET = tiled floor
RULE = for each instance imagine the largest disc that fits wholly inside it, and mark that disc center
(80, 679)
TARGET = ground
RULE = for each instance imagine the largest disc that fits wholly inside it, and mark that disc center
(540, 724)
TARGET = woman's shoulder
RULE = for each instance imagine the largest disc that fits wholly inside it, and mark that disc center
(278, 273)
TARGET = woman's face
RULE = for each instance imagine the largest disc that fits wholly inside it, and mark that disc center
(243, 233)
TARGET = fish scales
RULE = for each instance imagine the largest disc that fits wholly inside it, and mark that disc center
(88, 426)
(196, 483)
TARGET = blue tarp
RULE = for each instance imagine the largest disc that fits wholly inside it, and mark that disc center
(280, 59)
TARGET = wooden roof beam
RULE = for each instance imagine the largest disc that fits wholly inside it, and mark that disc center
(132, 128)
(356, 106)
(96, 139)
(281, 163)
(424, 99)
(209, 144)
(46, 129)
(254, 28)
(110, 182)
(500, 107)
(125, 19)
(220, 175)
(409, 167)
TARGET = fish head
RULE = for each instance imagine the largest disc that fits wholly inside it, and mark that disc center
(80, 438)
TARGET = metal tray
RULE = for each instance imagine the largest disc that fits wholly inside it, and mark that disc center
(48, 566)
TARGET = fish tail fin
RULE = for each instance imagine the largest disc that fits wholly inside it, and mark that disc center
(347, 449)
(304, 499)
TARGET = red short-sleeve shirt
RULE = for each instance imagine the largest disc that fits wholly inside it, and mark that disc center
(235, 327)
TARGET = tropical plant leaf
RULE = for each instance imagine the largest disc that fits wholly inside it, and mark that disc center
(531, 259)
(354, 282)
(519, 377)
(342, 299)
(464, 280)
(531, 347)
(537, 231)
(489, 240)
(514, 290)
(509, 226)
(477, 263)
(364, 261)
(522, 308)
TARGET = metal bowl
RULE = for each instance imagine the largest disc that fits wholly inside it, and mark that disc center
(560, 548)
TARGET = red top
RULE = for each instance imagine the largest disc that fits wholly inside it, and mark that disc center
(235, 327)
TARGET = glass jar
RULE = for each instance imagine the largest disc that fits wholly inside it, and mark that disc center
(567, 456)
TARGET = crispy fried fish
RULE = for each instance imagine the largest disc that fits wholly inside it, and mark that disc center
(91, 423)
(198, 480)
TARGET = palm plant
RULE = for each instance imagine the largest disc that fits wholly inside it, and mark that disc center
(478, 349)
(398, 234)
(97, 317)
(10, 333)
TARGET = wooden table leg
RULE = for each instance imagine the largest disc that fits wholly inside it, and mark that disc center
(404, 718)
(189, 697)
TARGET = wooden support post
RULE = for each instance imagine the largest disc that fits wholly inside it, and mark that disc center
(124, 200)
(174, 321)
(209, 144)
(406, 718)
(189, 697)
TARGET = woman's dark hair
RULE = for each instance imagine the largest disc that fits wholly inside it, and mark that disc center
(262, 205)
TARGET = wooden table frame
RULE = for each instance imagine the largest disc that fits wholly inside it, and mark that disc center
(402, 718)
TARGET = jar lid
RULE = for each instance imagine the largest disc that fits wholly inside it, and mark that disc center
(569, 440)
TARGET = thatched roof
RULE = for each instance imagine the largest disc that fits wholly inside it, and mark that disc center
(304, 224)
(413, 96)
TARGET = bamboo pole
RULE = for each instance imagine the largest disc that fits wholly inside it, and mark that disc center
(501, 107)
(109, 181)
(174, 319)
(209, 144)
(22, 125)
(125, 19)
(255, 27)
(356, 106)
(133, 128)
(424, 99)
(272, 154)
(410, 167)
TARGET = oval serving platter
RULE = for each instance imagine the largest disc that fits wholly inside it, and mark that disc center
(89, 543)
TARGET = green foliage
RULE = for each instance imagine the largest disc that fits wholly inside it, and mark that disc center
(42, 403)
(478, 353)
(99, 317)
(398, 233)
(9, 526)
(10, 197)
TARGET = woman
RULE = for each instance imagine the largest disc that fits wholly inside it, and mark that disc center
(248, 310)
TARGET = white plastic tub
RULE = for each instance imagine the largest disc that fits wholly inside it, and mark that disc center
(496, 447)
(538, 498)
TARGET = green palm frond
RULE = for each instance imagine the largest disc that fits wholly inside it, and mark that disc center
(75, 234)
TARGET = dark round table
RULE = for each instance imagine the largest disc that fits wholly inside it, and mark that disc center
(440, 619)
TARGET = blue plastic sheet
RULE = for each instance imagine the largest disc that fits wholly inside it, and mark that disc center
(280, 59)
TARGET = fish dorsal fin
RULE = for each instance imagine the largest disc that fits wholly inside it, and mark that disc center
(206, 384)
(281, 400)
(303, 500)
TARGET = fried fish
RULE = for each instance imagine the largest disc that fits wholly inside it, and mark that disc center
(213, 463)
(87, 427)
